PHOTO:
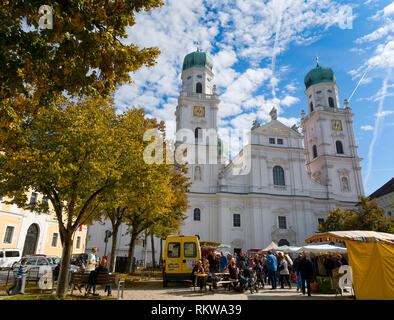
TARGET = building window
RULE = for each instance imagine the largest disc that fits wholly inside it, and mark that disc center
(282, 222)
(320, 221)
(272, 140)
(78, 245)
(33, 198)
(279, 176)
(9, 232)
(339, 147)
(314, 149)
(331, 102)
(55, 236)
(199, 87)
(197, 214)
(197, 134)
(280, 141)
(311, 106)
(236, 220)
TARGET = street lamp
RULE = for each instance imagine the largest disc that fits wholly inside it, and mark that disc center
(108, 234)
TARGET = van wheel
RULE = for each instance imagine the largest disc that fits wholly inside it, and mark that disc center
(165, 283)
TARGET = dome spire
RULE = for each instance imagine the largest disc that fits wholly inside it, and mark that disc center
(317, 61)
(198, 46)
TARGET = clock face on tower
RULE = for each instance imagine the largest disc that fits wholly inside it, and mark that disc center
(199, 111)
(336, 124)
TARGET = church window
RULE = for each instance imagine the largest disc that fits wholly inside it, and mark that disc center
(197, 133)
(314, 149)
(318, 92)
(282, 222)
(279, 176)
(339, 147)
(197, 214)
(236, 220)
(331, 102)
(197, 173)
(33, 198)
(199, 87)
(311, 106)
(272, 140)
(283, 242)
(199, 76)
(280, 141)
(320, 221)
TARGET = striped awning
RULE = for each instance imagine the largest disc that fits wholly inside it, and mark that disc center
(363, 236)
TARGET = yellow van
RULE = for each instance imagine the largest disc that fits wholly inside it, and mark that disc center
(181, 254)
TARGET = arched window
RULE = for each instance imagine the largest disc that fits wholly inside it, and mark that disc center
(197, 133)
(279, 176)
(331, 102)
(197, 214)
(311, 105)
(199, 87)
(314, 149)
(339, 147)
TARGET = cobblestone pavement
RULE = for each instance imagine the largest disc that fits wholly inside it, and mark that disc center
(153, 290)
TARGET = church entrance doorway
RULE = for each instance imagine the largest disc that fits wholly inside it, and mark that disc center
(31, 240)
(237, 251)
(283, 242)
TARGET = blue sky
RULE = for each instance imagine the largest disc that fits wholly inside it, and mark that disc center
(262, 51)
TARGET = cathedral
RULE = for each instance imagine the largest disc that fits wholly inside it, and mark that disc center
(290, 180)
(286, 181)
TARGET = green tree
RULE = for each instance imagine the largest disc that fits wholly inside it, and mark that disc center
(367, 215)
(85, 53)
(70, 154)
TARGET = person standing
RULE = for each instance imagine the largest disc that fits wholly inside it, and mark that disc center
(223, 262)
(297, 271)
(272, 266)
(92, 260)
(306, 270)
(284, 272)
(19, 281)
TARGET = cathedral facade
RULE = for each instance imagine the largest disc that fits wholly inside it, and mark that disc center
(292, 176)
(286, 182)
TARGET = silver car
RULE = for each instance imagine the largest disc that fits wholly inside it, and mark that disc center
(39, 265)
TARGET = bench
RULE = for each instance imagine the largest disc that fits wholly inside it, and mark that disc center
(210, 284)
(101, 279)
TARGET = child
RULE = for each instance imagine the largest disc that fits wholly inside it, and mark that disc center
(18, 283)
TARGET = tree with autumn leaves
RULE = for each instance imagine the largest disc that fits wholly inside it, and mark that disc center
(84, 54)
(367, 215)
(79, 152)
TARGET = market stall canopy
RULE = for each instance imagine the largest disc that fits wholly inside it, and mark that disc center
(209, 244)
(371, 259)
(287, 249)
(271, 246)
(222, 245)
(322, 248)
(363, 236)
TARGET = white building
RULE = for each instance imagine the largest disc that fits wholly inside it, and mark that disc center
(291, 181)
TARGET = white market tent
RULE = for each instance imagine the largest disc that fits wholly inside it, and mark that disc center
(287, 249)
(271, 246)
(322, 248)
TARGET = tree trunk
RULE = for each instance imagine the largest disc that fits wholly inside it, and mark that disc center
(115, 229)
(131, 252)
(63, 279)
(145, 248)
(153, 250)
(161, 253)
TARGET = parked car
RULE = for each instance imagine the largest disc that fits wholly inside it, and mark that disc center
(39, 264)
(78, 260)
(9, 258)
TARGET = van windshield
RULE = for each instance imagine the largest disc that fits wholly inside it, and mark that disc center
(174, 250)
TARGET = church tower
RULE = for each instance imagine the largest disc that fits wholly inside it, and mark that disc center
(332, 159)
(197, 111)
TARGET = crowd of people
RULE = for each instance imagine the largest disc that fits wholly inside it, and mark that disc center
(272, 268)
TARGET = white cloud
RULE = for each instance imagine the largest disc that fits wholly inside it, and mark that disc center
(367, 128)
(382, 114)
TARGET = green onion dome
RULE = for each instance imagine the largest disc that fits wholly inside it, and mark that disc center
(318, 75)
(197, 59)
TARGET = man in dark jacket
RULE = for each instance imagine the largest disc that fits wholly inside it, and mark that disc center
(306, 270)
